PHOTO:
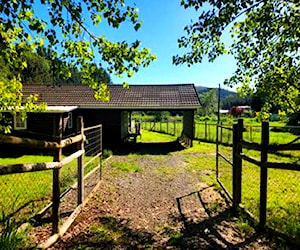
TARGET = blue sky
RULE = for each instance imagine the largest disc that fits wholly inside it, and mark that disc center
(163, 24)
(164, 21)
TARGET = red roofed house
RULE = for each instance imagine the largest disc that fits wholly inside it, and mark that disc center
(69, 102)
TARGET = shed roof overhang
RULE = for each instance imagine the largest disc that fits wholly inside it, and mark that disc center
(137, 97)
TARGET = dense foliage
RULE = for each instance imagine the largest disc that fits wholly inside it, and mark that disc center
(266, 44)
(65, 29)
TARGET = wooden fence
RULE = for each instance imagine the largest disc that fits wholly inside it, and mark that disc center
(55, 166)
(94, 135)
(238, 157)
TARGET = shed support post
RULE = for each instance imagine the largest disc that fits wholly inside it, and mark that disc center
(188, 126)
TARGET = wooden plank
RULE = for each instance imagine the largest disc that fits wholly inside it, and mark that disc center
(72, 157)
(28, 167)
(93, 127)
(27, 142)
(41, 166)
(249, 159)
(71, 140)
(282, 147)
(32, 143)
(92, 159)
(250, 145)
(285, 166)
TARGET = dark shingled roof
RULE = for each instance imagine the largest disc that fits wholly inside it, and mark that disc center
(180, 96)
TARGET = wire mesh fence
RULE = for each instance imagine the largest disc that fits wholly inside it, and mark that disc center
(92, 158)
(24, 194)
(251, 188)
(283, 201)
(224, 158)
(168, 127)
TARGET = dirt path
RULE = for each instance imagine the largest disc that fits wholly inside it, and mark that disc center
(159, 205)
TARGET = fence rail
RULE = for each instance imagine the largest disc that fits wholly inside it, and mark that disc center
(256, 183)
(64, 173)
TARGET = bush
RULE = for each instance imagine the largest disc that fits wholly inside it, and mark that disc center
(107, 153)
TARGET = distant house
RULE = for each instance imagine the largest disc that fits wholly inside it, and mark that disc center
(66, 103)
(238, 111)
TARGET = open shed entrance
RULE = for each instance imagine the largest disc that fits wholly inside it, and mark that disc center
(183, 128)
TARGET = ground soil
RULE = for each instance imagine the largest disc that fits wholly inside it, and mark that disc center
(163, 206)
(156, 208)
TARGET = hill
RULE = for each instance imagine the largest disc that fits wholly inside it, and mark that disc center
(224, 93)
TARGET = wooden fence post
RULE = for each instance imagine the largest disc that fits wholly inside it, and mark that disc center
(205, 131)
(237, 162)
(263, 173)
(217, 152)
(221, 134)
(80, 162)
(56, 175)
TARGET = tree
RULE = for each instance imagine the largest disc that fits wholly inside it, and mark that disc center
(65, 32)
(266, 44)
(209, 103)
(37, 70)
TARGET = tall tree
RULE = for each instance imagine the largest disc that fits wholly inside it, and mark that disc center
(38, 70)
(209, 103)
(266, 44)
(65, 29)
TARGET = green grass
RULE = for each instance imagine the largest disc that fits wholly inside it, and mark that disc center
(155, 137)
(34, 189)
(127, 167)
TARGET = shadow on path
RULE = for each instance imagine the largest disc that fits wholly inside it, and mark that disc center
(109, 233)
(153, 148)
(215, 230)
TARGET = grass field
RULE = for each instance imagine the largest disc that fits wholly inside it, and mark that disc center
(206, 131)
(30, 192)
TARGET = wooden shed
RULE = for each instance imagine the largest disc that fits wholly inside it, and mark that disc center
(113, 115)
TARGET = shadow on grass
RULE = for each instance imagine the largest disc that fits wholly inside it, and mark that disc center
(153, 148)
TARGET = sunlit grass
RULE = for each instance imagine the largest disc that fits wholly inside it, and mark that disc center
(126, 167)
(34, 189)
(148, 136)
